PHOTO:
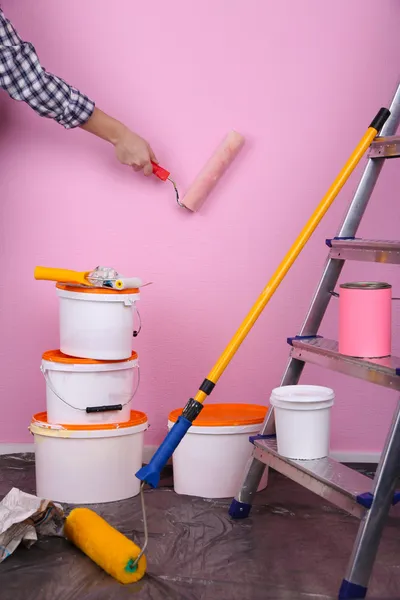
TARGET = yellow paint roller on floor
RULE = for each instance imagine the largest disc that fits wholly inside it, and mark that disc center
(111, 550)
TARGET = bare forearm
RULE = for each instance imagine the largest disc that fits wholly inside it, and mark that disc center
(130, 148)
(104, 126)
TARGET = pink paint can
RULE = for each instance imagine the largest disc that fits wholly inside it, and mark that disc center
(365, 319)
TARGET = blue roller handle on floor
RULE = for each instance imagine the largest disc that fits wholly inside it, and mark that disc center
(151, 472)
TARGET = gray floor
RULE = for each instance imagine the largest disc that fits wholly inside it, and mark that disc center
(293, 546)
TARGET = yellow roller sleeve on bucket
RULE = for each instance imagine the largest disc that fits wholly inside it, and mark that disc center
(106, 546)
(289, 259)
(62, 275)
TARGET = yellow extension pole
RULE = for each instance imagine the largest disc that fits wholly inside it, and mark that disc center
(289, 259)
(150, 473)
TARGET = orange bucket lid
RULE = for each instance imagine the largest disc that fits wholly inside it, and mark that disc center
(95, 290)
(57, 356)
(226, 415)
(137, 418)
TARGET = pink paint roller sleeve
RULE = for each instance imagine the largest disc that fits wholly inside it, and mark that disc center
(213, 171)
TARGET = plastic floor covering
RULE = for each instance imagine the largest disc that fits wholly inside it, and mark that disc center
(294, 546)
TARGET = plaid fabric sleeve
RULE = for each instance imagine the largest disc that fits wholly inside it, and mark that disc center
(24, 79)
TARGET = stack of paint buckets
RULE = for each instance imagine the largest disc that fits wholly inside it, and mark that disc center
(89, 442)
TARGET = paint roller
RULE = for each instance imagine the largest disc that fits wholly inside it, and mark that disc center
(208, 177)
(151, 473)
(102, 277)
(117, 555)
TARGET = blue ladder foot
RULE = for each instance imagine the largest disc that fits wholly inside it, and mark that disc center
(239, 510)
(351, 591)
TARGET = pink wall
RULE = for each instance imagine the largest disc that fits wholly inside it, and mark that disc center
(301, 80)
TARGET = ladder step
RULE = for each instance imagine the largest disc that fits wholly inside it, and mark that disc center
(338, 484)
(380, 251)
(385, 147)
(324, 353)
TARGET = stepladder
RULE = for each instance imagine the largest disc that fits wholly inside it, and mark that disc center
(367, 499)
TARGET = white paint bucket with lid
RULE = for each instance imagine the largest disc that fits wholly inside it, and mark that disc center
(302, 419)
(84, 390)
(88, 464)
(210, 460)
(96, 322)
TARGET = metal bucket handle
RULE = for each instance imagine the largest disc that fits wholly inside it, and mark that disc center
(136, 332)
(91, 409)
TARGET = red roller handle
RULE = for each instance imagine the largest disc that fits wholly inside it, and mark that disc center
(159, 172)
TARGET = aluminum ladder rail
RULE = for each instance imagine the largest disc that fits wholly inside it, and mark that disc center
(367, 499)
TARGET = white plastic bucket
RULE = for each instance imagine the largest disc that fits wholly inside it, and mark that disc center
(88, 465)
(210, 460)
(302, 418)
(96, 323)
(80, 391)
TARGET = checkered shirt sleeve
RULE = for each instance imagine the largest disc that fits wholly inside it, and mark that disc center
(24, 79)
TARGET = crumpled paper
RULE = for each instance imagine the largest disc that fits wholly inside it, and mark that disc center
(24, 517)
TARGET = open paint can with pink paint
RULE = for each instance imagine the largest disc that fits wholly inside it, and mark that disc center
(365, 319)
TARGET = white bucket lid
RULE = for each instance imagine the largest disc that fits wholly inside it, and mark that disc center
(302, 397)
(127, 297)
(55, 360)
(40, 426)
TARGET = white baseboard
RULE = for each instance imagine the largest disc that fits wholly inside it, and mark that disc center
(356, 457)
(16, 448)
(148, 451)
(339, 455)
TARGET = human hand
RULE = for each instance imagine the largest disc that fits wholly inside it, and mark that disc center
(130, 148)
(134, 151)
